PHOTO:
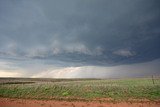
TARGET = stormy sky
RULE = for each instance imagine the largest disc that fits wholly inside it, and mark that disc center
(79, 38)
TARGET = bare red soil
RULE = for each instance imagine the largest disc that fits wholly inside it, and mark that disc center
(7, 102)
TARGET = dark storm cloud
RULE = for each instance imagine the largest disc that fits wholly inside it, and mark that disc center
(103, 32)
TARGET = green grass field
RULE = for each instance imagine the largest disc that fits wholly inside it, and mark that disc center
(88, 89)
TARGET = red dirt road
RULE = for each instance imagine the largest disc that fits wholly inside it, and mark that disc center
(7, 102)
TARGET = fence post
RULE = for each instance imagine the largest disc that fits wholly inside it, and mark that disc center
(152, 79)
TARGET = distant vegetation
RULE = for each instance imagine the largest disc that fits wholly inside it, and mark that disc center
(81, 89)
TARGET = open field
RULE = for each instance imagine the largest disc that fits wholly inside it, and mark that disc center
(81, 89)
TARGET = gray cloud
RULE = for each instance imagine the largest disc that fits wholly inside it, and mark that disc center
(80, 32)
(124, 52)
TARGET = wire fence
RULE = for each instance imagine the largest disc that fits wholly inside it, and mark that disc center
(155, 79)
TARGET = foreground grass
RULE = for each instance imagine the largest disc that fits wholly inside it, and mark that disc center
(117, 89)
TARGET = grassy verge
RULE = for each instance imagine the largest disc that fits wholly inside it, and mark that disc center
(116, 89)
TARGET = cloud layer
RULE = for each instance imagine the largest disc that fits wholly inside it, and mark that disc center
(77, 33)
(134, 70)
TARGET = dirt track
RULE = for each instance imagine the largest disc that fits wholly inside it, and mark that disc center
(6, 102)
